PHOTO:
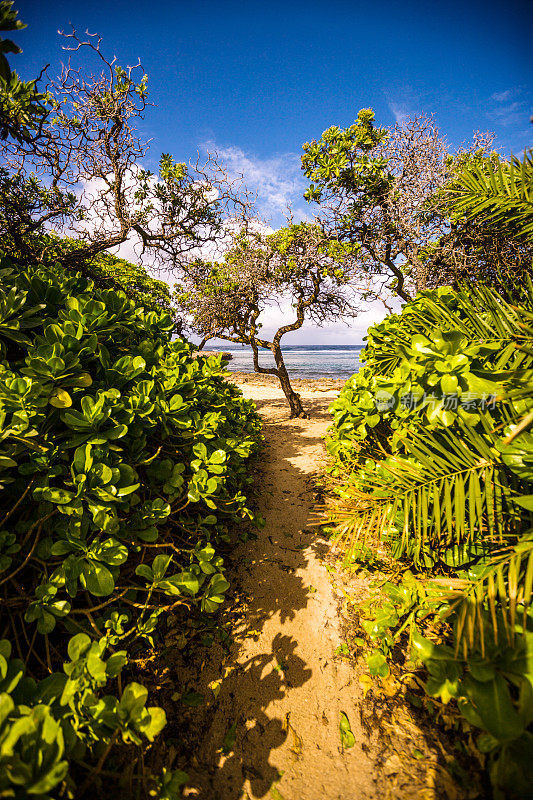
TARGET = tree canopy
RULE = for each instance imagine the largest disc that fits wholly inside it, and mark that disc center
(71, 164)
(298, 263)
(379, 189)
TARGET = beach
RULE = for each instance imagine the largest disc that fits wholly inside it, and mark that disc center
(304, 386)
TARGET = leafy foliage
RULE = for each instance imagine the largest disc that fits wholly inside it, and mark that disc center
(21, 105)
(433, 461)
(379, 189)
(500, 194)
(106, 270)
(122, 464)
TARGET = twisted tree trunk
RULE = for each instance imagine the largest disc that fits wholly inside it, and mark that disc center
(293, 398)
(249, 337)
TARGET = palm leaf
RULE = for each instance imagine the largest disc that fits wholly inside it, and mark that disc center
(482, 315)
(451, 488)
(501, 597)
(500, 195)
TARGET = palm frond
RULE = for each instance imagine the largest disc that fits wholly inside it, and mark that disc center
(481, 315)
(450, 489)
(499, 598)
(498, 194)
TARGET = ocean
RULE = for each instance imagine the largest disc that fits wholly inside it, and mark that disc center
(301, 360)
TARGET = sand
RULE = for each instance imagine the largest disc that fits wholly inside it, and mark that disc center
(285, 688)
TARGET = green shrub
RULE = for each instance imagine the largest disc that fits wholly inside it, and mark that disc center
(433, 460)
(123, 462)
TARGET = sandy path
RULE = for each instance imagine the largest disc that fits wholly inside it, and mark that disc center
(283, 689)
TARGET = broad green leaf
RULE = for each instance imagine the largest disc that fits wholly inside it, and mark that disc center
(193, 699)
(347, 737)
(78, 645)
(526, 501)
(228, 742)
(492, 702)
(60, 398)
(153, 722)
(97, 579)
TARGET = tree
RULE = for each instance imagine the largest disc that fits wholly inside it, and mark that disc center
(376, 189)
(225, 299)
(74, 167)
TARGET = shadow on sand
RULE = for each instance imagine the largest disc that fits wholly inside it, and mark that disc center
(227, 744)
(231, 737)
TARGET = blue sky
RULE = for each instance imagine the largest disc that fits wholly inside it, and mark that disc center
(257, 81)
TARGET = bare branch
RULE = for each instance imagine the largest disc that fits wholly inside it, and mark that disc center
(81, 174)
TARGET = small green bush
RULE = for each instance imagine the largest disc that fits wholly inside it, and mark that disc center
(123, 462)
(432, 462)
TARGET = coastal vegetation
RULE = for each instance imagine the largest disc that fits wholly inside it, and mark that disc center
(385, 230)
(123, 463)
(432, 457)
(126, 462)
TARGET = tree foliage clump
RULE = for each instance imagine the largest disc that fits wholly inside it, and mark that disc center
(122, 466)
(395, 193)
(106, 270)
(22, 106)
(499, 194)
(433, 461)
(489, 202)
(299, 264)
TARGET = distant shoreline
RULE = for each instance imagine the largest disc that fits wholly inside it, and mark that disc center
(257, 379)
(322, 363)
(233, 348)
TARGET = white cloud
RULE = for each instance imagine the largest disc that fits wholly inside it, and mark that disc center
(398, 111)
(501, 97)
(278, 181)
(403, 102)
(508, 107)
